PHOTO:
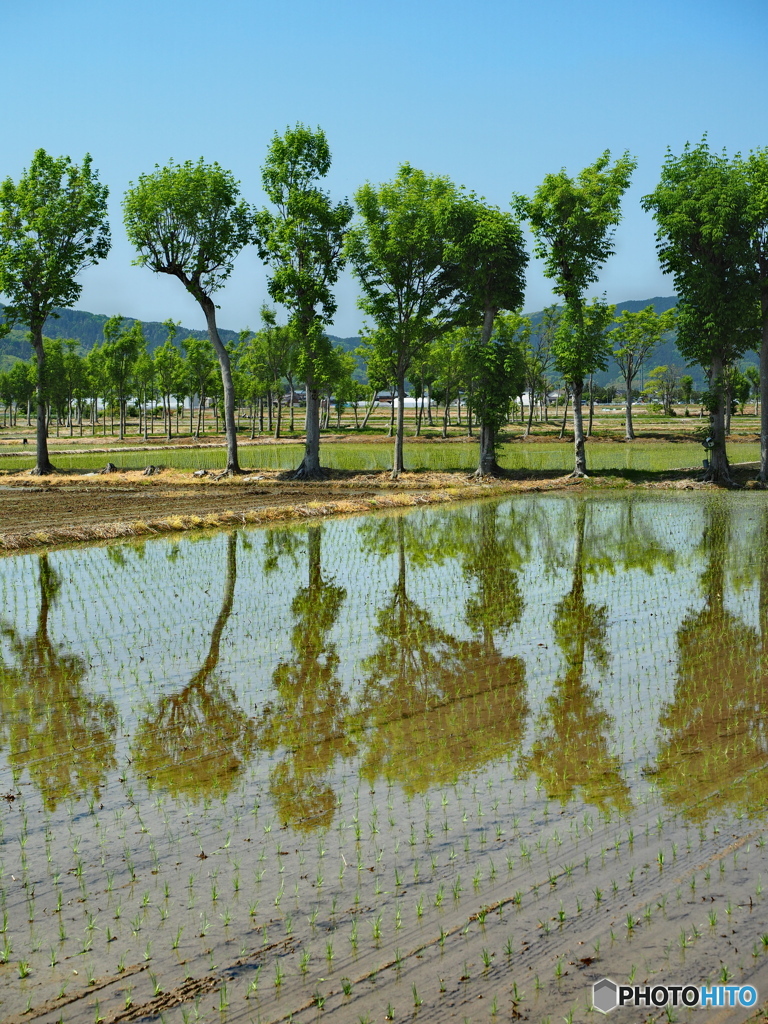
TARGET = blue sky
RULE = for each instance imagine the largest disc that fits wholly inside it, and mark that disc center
(495, 94)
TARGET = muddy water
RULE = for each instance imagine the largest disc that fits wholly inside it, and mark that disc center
(458, 764)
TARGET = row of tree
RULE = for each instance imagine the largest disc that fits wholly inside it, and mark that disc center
(120, 374)
(431, 259)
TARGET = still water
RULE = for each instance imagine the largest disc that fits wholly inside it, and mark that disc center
(222, 753)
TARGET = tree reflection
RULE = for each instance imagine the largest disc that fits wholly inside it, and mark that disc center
(309, 716)
(714, 751)
(571, 752)
(199, 739)
(434, 706)
(51, 725)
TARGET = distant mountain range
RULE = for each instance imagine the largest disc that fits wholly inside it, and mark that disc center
(87, 329)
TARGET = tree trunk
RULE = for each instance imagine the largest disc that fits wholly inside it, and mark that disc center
(629, 430)
(565, 413)
(368, 412)
(429, 406)
(397, 466)
(278, 418)
(487, 465)
(292, 400)
(226, 382)
(391, 413)
(530, 415)
(269, 411)
(310, 464)
(763, 475)
(580, 459)
(43, 464)
(591, 408)
(718, 471)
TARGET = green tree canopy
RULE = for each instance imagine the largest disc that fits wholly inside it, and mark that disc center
(302, 242)
(187, 220)
(53, 225)
(573, 221)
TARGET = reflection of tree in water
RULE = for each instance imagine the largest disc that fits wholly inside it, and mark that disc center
(309, 716)
(51, 725)
(571, 751)
(435, 706)
(715, 747)
(199, 739)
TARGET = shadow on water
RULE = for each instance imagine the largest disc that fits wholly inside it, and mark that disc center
(46, 713)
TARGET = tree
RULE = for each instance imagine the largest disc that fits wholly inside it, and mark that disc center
(755, 170)
(121, 350)
(200, 364)
(489, 261)
(700, 209)
(686, 390)
(187, 220)
(580, 348)
(302, 242)
(53, 225)
(753, 376)
(495, 373)
(448, 366)
(573, 221)
(538, 358)
(169, 367)
(397, 253)
(634, 337)
(270, 356)
(662, 386)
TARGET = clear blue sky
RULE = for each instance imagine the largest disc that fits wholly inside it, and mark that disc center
(494, 94)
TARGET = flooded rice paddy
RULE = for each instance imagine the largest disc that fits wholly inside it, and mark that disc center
(456, 764)
(539, 457)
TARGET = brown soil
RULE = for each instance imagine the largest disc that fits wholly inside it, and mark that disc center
(70, 507)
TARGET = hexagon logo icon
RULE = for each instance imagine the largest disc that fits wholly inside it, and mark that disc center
(605, 995)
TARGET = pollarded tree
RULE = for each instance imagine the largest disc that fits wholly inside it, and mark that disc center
(53, 225)
(187, 220)
(573, 221)
(634, 337)
(397, 252)
(303, 244)
(488, 260)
